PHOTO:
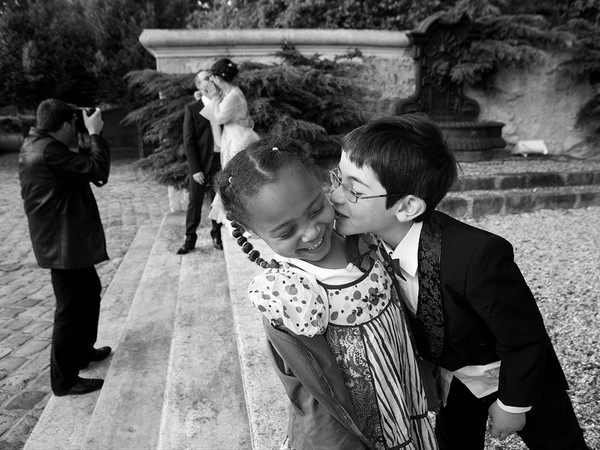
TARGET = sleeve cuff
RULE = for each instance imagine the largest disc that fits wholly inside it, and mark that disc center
(513, 409)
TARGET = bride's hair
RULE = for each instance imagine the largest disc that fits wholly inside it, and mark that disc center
(225, 68)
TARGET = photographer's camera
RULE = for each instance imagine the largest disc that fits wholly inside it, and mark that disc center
(79, 122)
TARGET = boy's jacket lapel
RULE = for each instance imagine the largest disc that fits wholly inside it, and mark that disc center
(429, 324)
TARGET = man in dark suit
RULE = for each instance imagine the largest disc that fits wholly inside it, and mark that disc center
(67, 234)
(199, 148)
(470, 309)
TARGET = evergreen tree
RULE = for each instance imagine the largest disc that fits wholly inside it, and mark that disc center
(116, 28)
(45, 51)
(353, 14)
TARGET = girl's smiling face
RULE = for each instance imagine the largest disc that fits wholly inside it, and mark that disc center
(293, 216)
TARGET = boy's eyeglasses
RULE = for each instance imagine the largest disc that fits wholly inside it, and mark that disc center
(351, 195)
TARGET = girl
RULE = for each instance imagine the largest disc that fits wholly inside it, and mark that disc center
(230, 121)
(335, 325)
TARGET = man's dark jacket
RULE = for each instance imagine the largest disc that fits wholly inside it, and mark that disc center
(197, 139)
(64, 222)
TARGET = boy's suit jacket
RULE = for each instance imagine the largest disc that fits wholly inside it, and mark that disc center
(476, 308)
(197, 139)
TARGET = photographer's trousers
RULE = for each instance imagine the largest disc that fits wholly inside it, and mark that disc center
(75, 329)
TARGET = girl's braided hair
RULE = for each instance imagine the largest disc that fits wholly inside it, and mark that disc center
(259, 164)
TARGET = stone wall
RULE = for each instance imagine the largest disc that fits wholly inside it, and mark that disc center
(534, 104)
(538, 103)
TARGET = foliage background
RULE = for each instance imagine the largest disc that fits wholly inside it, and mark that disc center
(82, 50)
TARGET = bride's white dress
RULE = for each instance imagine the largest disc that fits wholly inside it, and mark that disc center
(232, 129)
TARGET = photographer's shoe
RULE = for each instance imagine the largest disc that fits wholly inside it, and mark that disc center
(82, 386)
(97, 355)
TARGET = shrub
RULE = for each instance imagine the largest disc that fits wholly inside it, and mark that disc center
(16, 124)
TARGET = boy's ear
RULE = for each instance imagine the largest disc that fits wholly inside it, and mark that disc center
(410, 207)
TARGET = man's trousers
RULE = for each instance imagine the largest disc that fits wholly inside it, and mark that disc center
(75, 329)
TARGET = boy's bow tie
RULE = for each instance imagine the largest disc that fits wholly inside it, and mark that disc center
(397, 269)
(393, 265)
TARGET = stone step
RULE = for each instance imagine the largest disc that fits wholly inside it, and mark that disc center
(266, 400)
(528, 180)
(129, 408)
(204, 405)
(478, 203)
(64, 422)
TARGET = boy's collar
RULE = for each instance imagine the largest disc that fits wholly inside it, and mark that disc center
(406, 252)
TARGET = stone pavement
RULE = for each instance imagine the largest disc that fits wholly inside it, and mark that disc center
(128, 201)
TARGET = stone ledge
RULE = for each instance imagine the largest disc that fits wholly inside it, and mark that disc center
(163, 43)
(526, 180)
(481, 203)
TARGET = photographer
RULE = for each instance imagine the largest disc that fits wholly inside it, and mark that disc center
(67, 234)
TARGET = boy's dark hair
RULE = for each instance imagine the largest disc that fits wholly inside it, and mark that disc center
(52, 113)
(259, 164)
(408, 153)
(225, 68)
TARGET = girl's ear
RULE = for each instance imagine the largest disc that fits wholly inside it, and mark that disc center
(410, 207)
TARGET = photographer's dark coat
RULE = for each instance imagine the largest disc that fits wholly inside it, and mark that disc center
(64, 222)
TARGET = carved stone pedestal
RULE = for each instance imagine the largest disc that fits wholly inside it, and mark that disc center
(473, 141)
(438, 46)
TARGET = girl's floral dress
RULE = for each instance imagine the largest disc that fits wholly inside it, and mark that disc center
(364, 325)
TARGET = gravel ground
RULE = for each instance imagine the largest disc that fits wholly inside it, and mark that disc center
(534, 163)
(558, 252)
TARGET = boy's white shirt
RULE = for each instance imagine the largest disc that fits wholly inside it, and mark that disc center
(480, 380)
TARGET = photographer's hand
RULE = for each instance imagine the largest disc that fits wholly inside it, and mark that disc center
(93, 123)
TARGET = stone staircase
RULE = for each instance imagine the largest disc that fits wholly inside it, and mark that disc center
(189, 368)
(173, 380)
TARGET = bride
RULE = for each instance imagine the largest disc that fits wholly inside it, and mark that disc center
(230, 120)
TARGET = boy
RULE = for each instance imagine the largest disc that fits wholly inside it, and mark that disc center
(471, 311)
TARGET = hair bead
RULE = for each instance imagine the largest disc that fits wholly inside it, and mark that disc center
(237, 232)
(241, 240)
(275, 149)
(253, 255)
(246, 247)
